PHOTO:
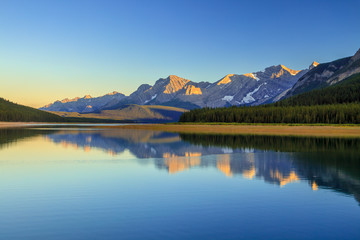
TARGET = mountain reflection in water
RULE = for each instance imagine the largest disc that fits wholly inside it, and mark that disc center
(332, 163)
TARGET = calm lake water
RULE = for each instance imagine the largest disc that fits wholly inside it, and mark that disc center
(82, 183)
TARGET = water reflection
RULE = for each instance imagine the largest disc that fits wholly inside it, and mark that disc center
(275, 168)
(332, 163)
(142, 144)
(9, 136)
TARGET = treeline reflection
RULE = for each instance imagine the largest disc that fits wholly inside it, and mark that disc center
(324, 162)
(274, 143)
(9, 136)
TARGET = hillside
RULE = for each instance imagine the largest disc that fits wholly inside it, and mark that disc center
(346, 91)
(317, 77)
(18, 113)
(335, 104)
(326, 74)
(132, 112)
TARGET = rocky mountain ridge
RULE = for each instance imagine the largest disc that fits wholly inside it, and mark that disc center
(233, 89)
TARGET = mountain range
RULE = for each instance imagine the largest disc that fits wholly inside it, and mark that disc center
(267, 86)
(233, 89)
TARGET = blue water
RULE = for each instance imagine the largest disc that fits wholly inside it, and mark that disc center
(135, 184)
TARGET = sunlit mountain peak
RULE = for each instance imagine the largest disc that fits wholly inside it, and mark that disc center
(313, 65)
(226, 79)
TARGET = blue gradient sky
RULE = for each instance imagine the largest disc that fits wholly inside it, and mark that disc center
(55, 49)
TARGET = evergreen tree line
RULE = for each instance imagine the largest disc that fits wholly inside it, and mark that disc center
(275, 143)
(337, 104)
(12, 135)
(333, 114)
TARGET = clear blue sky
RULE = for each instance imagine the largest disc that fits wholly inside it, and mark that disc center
(55, 49)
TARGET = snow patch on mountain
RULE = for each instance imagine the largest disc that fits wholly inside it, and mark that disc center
(152, 98)
(228, 98)
(249, 98)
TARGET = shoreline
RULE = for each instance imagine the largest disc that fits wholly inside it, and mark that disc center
(18, 124)
(251, 129)
(277, 130)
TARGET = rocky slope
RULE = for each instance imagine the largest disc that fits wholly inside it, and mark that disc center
(252, 88)
(344, 92)
(326, 74)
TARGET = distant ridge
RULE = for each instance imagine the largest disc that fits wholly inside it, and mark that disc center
(84, 104)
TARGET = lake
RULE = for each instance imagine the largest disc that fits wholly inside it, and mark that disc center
(61, 182)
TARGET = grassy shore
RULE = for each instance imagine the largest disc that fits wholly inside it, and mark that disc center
(280, 130)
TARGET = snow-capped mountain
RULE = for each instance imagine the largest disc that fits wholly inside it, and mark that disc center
(252, 88)
(233, 89)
